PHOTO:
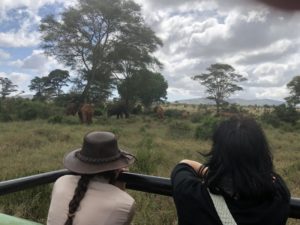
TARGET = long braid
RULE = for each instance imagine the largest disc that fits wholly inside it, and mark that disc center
(78, 196)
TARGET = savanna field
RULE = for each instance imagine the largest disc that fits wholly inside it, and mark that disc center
(37, 146)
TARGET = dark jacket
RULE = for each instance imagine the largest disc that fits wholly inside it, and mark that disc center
(194, 205)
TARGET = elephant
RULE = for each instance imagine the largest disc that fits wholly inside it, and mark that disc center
(118, 109)
(86, 113)
(159, 112)
(72, 109)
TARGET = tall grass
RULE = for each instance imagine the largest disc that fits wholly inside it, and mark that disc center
(28, 148)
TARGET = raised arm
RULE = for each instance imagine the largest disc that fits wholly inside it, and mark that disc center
(199, 168)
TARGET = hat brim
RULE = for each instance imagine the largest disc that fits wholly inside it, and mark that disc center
(72, 163)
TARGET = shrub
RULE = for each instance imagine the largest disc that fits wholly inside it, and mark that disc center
(138, 109)
(196, 117)
(233, 108)
(28, 114)
(30, 110)
(148, 157)
(281, 114)
(270, 118)
(206, 128)
(179, 129)
(55, 119)
(5, 117)
(70, 120)
(286, 113)
(173, 113)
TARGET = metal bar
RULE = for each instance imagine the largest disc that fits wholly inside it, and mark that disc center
(134, 181)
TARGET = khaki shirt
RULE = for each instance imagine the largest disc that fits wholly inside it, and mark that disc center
(103, 203)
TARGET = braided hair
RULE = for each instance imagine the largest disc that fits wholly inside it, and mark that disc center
(78, 196)
(81, 189)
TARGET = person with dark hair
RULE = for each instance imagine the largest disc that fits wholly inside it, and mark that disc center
(236, 185)
(93, 196)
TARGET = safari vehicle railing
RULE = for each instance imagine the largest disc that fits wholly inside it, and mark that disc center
(134, 181)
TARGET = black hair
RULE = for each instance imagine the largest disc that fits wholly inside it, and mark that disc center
(240, 161)
(82, 187)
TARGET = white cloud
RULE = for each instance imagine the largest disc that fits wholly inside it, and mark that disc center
(32, 6)
(4, 55)
(25, 13)
(260, 43)
(38, 63)
(20, 79)
(21, 38)
(279, 50)
(271, 92)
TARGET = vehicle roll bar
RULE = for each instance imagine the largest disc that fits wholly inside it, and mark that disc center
(134, 181)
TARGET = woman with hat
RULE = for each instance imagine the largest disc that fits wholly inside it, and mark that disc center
(92, 197)
(236, 185)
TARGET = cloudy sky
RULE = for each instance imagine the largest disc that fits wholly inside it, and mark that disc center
(259, 42)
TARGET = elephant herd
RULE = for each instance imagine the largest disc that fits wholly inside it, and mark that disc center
(86, 111)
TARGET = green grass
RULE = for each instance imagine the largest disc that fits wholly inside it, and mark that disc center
(33, 147)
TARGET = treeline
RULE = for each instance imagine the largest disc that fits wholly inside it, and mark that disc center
(109, 48)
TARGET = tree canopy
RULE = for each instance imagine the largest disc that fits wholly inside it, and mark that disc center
(294, 87)
(220, 82)
(144, 86)
(58, 79)
(50, 86)
(96, 37)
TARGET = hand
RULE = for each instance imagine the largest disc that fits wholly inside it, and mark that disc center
(196, 166)
(121, 184)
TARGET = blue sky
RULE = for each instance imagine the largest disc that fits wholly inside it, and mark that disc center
(261, 43)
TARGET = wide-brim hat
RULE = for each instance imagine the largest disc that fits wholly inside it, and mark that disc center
(99, 153)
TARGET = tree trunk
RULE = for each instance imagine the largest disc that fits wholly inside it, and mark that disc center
(85, 98)
(84, 95)
(218, 107)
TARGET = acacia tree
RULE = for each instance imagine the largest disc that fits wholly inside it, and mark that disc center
(294, 87)
(88, 38)
(6, 87)
(50, 86)
(220, 82)
(135, 49)
(38, 84)
(56, 80)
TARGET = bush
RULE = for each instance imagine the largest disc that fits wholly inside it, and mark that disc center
(30, 110)
(55, 119)
(233, 108)
(70, 120)
(26, 109)
(173, 113)
(65, 99)
(270, 118)
(179, 129)
(281, 114)
(206, 128)
(5, 117)
(196, 117)
(28, 114)
(286, 113)
(148, 157)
